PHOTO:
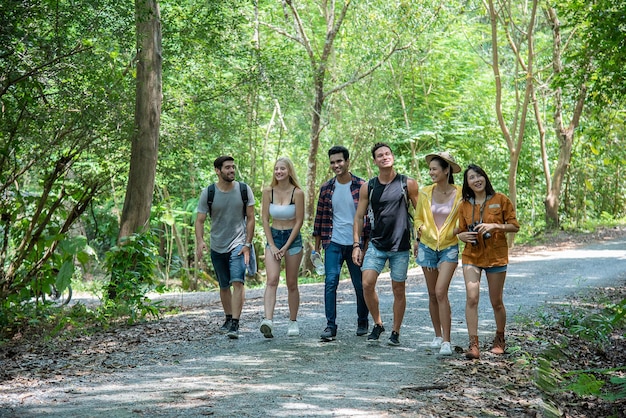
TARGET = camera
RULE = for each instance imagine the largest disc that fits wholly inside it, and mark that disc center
(472, 228)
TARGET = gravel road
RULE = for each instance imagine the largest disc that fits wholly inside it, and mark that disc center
(181, 365)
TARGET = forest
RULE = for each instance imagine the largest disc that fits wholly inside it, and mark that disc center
(112, 114)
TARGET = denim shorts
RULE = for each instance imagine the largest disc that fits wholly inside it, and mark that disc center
(229, 267)
(494, 269)
(432, 259)
(398, 262)
(280, 237)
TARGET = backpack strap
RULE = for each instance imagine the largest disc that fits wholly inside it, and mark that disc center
(370, 187)
(210, 197)
(243, 189)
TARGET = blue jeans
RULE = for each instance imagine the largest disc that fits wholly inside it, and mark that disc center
(229, 267)
(334, 256)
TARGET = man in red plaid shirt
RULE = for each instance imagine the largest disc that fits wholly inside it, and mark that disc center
(332, 230)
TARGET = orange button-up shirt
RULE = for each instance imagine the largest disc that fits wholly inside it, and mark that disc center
(494, 251)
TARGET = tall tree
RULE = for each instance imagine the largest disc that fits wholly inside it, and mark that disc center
(333, 15)
(145, 141)
(516, 38)
(564, 131)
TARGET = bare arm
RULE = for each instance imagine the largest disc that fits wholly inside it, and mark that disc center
(265, 217)
(361, 211)
(249, 232)
(199, 228)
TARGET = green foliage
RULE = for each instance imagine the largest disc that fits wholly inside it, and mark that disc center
(595, 328)
(132, 266)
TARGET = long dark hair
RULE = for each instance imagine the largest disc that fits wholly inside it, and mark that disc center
(444, 164)
(468, 193)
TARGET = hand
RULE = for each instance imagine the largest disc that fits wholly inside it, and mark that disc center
(467, 236)
(246, 254)
(357, 256)
(277, 253)
(200, 248)
(482, 228)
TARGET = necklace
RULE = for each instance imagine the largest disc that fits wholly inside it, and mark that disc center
(442, 192)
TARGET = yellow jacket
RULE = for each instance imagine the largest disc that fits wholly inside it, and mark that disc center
(436, 239)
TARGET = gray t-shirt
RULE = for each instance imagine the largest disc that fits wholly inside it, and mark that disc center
(228, 226)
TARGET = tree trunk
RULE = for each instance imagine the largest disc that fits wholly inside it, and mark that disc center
(145, 141)
(314, 147)
(564, 134)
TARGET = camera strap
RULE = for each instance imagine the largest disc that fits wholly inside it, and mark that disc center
(482, 208)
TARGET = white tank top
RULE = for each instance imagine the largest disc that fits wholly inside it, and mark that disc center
(283, 212)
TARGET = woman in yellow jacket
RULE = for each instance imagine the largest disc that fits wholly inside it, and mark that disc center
(437, 251)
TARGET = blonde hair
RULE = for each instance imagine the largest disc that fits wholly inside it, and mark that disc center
(293, 179)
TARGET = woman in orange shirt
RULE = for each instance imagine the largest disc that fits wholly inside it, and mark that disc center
(484, 219)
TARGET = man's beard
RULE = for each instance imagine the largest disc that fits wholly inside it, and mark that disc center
(227, 179)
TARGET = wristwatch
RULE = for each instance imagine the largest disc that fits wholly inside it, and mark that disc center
(248, 244)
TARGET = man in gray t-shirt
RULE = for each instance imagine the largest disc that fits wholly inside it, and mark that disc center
(231, 239)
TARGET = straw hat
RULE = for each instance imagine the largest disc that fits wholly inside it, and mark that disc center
(444, 155)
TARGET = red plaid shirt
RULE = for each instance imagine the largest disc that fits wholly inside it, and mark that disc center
(323, 225)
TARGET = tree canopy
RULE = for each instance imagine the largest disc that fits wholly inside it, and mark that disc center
(263, 79)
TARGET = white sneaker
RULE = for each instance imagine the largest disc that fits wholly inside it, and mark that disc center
(436, 343)
(446, 349)
(293, 330)
(266, 328)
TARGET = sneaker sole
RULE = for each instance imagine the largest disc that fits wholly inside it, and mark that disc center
(267, 331)
(327, 339)
(233, 336)
(395, 344)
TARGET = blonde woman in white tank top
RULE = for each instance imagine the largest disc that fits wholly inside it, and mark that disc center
(282, 212)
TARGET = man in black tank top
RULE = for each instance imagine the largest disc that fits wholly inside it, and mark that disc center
(390, 240)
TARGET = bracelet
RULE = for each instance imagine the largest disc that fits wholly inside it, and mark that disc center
(356, 244)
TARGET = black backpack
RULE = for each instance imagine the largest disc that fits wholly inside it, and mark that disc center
(243, 188)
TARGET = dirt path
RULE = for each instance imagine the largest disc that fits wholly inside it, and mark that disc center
(181, 365)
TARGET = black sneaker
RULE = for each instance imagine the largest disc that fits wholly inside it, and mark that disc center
(362, 329)
(329, 334)
(394, 339)
(375, 334)
(227, 323)
(233, 332)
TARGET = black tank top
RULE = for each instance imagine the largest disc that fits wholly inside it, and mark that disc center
(391, 218)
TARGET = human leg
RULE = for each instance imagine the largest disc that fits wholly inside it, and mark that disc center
(332, 265)
(373, 263)
(292, 267)
(446, 271)
(398, 266)
(495, 282)
(399, 304)
(221, 266)
(357, 282)
(237, 277)
(430, 276)
(272, 270)
(471, 275)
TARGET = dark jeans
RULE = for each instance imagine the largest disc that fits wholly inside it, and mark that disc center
(334, 256)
